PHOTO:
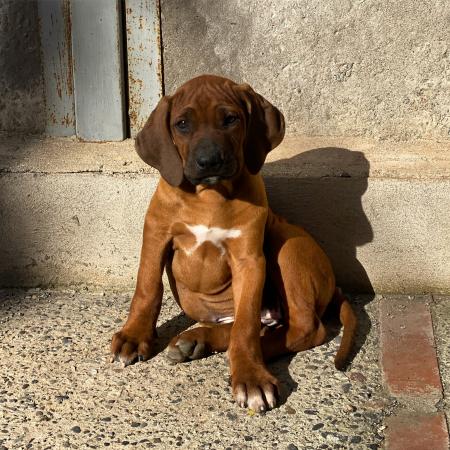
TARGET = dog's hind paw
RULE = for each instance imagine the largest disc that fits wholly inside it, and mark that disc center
(185, 350)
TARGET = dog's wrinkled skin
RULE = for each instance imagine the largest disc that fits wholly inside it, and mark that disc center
(232, 263)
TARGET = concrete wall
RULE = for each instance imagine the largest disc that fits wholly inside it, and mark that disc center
(21, 89)
(373, 68)
(379, 211)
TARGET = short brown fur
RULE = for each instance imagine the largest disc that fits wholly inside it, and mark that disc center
(270, 263)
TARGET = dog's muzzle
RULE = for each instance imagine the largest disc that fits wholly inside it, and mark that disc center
(208, 163)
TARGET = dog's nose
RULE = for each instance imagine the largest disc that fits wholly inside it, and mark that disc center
(209, 160)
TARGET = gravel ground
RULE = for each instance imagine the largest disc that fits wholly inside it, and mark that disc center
(58, 389)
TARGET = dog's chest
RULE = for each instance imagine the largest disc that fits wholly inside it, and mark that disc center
(200, 256)
(198, 239)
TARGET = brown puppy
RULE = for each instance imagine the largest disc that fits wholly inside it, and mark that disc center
(233, 265)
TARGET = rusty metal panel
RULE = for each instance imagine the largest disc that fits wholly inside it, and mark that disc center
(54, 20)
(98, 71)
(144, 60)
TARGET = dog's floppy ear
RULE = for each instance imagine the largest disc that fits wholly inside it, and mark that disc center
(155, 146)
(265, 128)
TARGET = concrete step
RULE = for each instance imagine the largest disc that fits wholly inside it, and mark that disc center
(71, 213)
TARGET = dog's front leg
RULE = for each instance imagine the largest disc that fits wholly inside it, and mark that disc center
(135, 339)
(253, 385)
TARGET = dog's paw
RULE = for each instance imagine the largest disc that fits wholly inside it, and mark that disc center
(256, 389)
(128, 348)
(185, 350)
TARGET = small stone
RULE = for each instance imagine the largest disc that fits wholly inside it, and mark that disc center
(355, 439)
(290, 410)
(331, 437)
(248, 438)
(292, 447)
(135, 424)
(357, 376)
(106, 419)
(311, 412)
(317, 426)
(232, 416)
(76, 429)
(67, 340)
(346, 387)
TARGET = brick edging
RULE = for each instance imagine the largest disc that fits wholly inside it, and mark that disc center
(411, 374)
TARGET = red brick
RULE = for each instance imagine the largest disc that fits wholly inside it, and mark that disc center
(409, 362)
(417, 432)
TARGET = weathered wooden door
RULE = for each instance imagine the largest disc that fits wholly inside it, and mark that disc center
(101, 64)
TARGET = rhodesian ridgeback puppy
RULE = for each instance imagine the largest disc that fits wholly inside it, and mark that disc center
(257, 284)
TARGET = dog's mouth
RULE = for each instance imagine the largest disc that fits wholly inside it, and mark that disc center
(209, 180)
(212, 179)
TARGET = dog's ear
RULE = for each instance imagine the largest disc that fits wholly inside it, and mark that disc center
(155, 146)
(265, 128)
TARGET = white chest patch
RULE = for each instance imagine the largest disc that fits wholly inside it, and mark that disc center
(215, 235)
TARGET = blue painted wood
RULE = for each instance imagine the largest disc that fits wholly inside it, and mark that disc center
(144, 60)
(98, 70)
(54, 19)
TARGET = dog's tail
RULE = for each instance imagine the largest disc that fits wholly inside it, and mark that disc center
(349, 322)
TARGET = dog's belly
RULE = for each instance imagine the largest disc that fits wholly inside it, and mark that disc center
(204, 287)
(203, 282)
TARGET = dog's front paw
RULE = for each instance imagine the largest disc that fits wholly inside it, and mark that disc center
(128, 347)
(255, 387)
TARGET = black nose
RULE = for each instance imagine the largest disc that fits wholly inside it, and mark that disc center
(207, 160)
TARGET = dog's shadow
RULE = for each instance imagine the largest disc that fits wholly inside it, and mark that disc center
(169, 329)
(279, 367)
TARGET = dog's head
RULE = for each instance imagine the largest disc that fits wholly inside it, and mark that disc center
(208, 131)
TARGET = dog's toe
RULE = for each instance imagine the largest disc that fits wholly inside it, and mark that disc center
(186, 347)
(184, 350)
(174, 355)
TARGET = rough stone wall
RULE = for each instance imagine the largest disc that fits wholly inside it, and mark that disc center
(372, 68)
(21, 89)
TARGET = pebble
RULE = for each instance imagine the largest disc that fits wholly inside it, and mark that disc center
(67, 340)
(290, 410)
(76, 429)
(317, 426)
(292, 447)
(346, 387)
(61, 398)
(357, 376)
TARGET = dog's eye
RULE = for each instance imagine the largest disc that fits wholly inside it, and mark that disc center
(182, 125)
(230, 120)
